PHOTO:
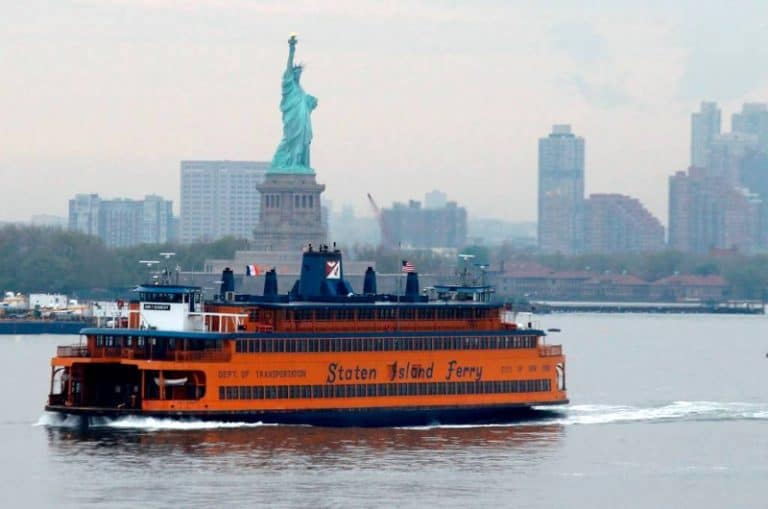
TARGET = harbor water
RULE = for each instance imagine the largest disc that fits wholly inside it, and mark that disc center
(666, 411)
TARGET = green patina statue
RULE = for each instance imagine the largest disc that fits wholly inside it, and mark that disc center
(292, 155)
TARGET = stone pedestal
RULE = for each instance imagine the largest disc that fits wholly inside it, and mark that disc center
(291, 215)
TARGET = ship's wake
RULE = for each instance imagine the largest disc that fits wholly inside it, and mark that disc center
(675, 411)
(137, 423)
(584, 414)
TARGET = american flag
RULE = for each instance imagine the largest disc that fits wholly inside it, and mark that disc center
(407, 267)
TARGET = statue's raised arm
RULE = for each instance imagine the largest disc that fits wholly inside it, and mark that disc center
(292, 155)
(291, 51)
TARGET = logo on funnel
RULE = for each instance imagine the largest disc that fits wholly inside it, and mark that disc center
(333, 269)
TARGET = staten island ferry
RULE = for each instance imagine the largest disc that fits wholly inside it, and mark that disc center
(321, 354)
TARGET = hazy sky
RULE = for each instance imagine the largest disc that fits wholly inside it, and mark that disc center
(107, 96)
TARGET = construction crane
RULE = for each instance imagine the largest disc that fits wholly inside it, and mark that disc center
(386, 238)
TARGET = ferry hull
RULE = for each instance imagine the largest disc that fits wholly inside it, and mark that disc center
(357, 417)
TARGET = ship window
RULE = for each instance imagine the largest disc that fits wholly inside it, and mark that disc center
(99, 340)
(245, 392)
(222, 394)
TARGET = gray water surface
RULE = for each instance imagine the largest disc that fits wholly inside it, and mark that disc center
(666, 411)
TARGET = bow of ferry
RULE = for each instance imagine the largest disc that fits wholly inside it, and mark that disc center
(321, 354)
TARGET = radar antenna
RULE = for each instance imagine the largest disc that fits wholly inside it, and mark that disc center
(464, 273)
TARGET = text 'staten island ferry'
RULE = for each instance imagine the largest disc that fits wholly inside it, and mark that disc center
(318, 355)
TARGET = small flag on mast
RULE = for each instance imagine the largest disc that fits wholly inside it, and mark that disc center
(252, 270)
(407, 267)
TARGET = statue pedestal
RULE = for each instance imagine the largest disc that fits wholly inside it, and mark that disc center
(290, 215)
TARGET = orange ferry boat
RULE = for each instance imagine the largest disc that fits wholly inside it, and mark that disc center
(319, 355)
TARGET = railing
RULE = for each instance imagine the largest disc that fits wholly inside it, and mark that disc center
(550, 350)
(169, 355)
(404, 324)
(72, 351)
(131, 353)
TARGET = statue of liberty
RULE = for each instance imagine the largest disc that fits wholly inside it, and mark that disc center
(292, 155)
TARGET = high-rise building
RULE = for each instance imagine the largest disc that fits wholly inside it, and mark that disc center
(120, 222)
(705, 125)
(705, 213)
(414, 226)
(753, 120)
(620, 224)
(84, 213)
(561, 191)
(220, 199)
(157, 220)
(435, 199)
(123, 222)
(727, 153)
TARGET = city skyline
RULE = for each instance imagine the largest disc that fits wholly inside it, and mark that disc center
(108, 96)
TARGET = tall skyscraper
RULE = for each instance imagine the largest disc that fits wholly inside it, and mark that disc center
(435, 199)
(157, 220)
(727, 153)
(705, 125)
(84, 213)
(753, 120)
(220, 199)
(122, 222)
(706, 213)
(561, 191)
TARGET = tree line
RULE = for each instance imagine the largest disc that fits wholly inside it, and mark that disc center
(52, 260)
(746, 275)
(39, 259)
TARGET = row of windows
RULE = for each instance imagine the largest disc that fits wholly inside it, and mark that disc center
(142, 341)
(375, 390)
(300, 201)
(303, 201)
(392, 313)
(272, 201)
(384, 344)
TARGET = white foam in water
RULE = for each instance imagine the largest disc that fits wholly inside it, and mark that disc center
(58, 420)
(142, 423)
(153, 424)
(674, 411)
